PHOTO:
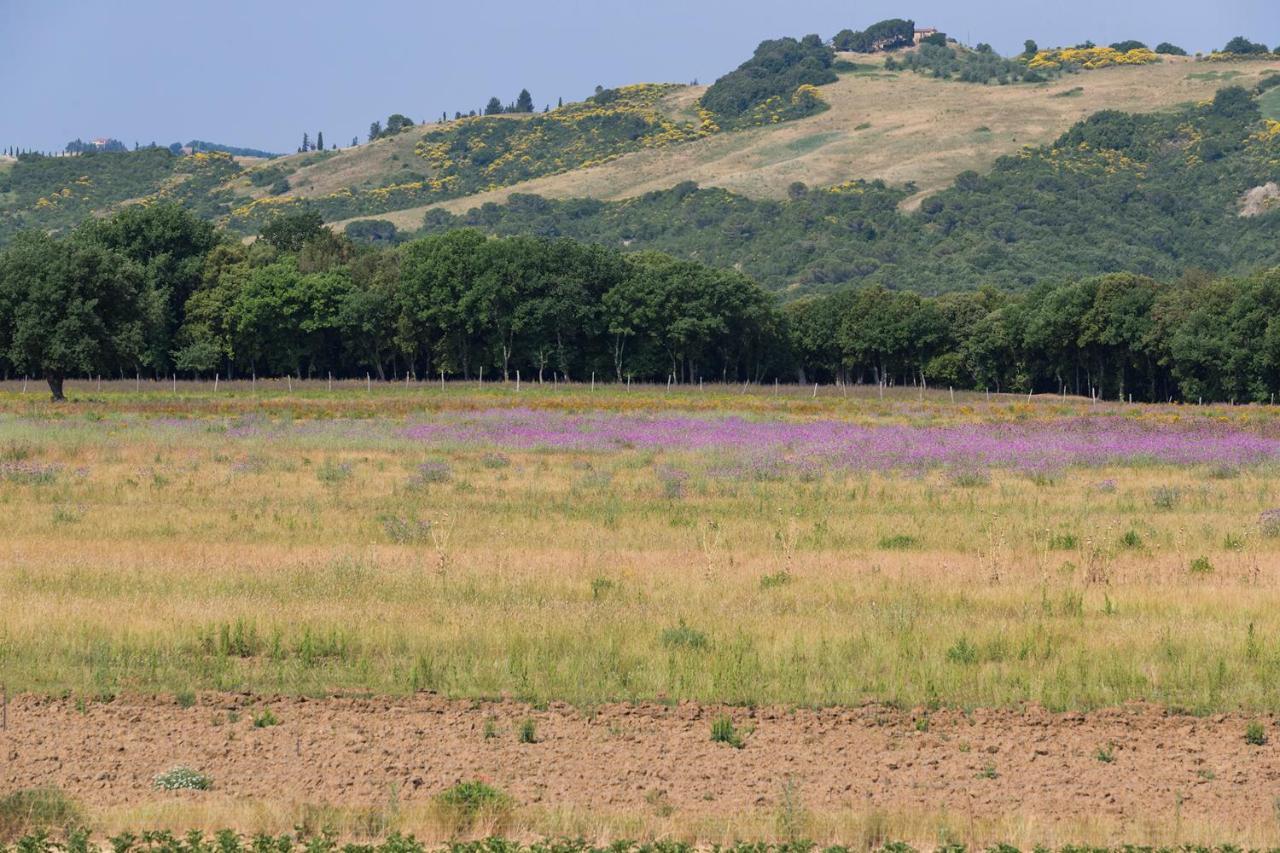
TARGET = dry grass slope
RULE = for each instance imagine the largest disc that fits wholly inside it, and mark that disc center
(897, 126)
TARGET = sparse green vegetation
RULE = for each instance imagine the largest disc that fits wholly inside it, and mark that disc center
(468, 803)
(182, 779)
(1255, 734)
(38, 812)
(967, 66)
(723, 731)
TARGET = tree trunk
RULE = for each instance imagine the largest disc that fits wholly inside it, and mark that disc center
(55, 387)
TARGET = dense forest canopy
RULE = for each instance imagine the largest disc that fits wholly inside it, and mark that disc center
(156, 290)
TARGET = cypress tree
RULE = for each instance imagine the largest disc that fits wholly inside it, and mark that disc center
(320, 141)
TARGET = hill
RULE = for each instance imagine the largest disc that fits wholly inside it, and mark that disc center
(1155, 194)
(900, 127)
(907, 118)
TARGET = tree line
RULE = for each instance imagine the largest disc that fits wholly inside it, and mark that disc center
(156, 290)
(1117, 336)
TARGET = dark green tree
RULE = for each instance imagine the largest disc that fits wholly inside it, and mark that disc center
(289, 232)
(1242, 45)
(68, 306)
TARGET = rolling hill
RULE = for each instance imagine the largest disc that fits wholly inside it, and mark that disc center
(899, 127)
(852, 118)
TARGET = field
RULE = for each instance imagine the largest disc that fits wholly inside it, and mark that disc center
(895, 126)
(928, 617)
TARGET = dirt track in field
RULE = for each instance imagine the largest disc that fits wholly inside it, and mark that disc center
(1034, 764)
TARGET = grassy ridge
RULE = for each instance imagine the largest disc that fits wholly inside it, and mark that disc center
(475, 154)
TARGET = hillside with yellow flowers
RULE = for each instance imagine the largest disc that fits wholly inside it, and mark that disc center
(897, 126)
(889, 116)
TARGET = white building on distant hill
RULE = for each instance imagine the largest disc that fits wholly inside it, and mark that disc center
(924, 33)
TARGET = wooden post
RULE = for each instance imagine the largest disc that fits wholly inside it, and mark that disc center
(368, 383)
(517, 381)
(953, 393)
(289, 379)
(441, 380)
(482, 374)
(815, 390)
(330, 380)
(24, 385)
(593, 380)
(215, 383)
(175, 383)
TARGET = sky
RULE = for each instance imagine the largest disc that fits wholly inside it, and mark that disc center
(258, 73)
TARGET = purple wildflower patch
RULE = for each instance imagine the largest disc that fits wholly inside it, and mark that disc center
(768, 447)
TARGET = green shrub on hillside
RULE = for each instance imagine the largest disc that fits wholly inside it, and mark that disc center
(967, 66)
(775, 84)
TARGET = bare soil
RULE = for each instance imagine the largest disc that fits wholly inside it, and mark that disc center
(1044, 768)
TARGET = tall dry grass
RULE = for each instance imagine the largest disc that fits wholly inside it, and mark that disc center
(175, 558)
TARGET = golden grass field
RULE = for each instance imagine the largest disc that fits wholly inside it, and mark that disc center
(896, 126)
(270, 544)
(304, 557)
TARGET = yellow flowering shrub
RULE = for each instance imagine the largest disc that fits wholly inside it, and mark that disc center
(1089, 58)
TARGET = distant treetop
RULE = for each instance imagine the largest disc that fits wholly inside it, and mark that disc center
(884, 35)
(1242, 45)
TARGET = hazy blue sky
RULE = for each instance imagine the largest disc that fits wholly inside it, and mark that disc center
(260, 73)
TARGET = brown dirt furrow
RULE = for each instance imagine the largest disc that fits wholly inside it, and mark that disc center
(987, 764)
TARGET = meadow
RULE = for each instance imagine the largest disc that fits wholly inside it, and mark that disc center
(760, 546)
